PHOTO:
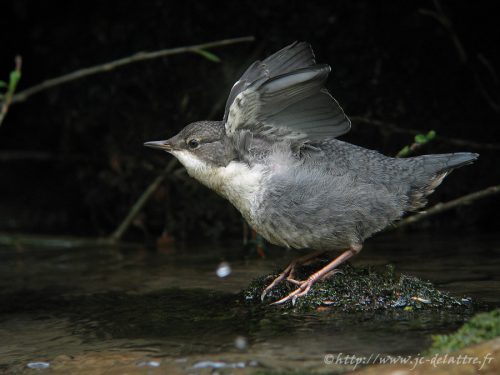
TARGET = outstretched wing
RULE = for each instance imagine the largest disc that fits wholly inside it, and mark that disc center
(284, 97)
(294, 56)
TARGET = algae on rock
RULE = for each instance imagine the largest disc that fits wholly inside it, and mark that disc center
(359, 289)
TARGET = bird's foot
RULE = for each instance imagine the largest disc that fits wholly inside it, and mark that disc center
(304, 286)
(302, 290)
(288, 273)
(327, 271)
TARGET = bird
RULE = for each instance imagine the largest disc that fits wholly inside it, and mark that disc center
(276, 157)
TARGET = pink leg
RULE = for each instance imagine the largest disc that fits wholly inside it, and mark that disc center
(289, 271)
(305, 286)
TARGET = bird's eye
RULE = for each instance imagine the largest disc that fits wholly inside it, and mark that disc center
(193, 143)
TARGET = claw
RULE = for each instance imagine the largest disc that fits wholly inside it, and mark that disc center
(288, 273)
(283, 275)
(304, 286)
(332, 272)
(302, 290)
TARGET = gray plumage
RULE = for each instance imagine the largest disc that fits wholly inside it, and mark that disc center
(275, 157)
(341, 194)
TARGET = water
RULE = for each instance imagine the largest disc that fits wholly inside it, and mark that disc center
(134, 309)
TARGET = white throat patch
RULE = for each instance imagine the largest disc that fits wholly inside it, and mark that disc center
(190, 161)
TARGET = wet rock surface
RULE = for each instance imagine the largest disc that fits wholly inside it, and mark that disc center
(359, 289)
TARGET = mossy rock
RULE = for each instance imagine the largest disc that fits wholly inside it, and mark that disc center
(359, 289)
(482, 327)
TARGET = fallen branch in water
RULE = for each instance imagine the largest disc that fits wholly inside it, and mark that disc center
(19, 240)
(442, 207)
(140, 56)
(393, 128)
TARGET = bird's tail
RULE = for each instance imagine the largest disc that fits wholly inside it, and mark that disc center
(434, 168)
(447, 162)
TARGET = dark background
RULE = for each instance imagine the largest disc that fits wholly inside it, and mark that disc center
(72, 160)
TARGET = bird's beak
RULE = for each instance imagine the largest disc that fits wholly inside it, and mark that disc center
(160, 145)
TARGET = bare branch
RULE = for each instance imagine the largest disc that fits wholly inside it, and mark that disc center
(393, 128)
(409, 150)
(447, 24)
(445, 21)
(106, 67)
(139, 204)
(487, 64)
(441, 207)
(19, 240)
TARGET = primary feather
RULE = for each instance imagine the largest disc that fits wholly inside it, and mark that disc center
(284, 97)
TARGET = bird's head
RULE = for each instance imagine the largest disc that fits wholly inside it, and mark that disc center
(200, 146)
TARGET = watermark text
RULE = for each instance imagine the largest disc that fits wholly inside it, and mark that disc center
(412, 360)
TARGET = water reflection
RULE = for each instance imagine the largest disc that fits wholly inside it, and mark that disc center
(146, 305)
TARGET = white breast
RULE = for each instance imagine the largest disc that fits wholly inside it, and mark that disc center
(237, 182)
(243, 186)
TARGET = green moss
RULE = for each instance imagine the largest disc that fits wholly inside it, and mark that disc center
(360, 289)
(481, 327)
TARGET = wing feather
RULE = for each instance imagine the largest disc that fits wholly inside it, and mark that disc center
(294, 56)
(284, 97)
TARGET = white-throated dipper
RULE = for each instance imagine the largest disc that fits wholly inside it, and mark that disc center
(276, 158)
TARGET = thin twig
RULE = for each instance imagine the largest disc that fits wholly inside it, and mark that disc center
(9, 95)
(441, 207)
(393, 128)
(140, 56)
(414, 147)
(446, 22)
(482, 89)
(139, 204)
(448, 25)
(489, 67)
